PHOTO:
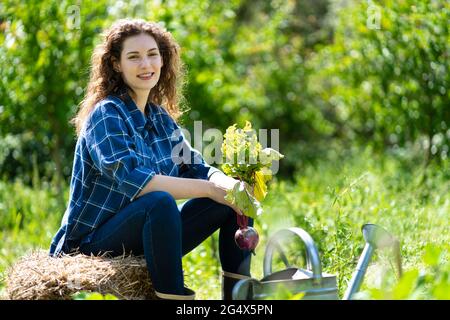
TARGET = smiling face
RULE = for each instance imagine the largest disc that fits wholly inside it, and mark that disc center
(140, 63)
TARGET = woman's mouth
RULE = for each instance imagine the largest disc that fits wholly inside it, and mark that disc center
(146, 76)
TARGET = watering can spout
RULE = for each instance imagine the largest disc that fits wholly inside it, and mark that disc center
(376, 238)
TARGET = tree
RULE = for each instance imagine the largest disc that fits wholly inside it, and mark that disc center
(44, 59)
(388, 82)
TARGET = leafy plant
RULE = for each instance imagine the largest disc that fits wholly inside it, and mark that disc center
(247, 161)
(431, 282)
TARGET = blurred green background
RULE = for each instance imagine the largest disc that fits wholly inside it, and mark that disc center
(354, 87)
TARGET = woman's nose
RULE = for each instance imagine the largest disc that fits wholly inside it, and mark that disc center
(145, 62)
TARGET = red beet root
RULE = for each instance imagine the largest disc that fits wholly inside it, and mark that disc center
(247, 239)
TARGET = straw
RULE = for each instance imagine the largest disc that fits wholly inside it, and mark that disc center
(37, 276)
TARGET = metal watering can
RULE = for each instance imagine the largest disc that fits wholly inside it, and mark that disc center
(312, 282)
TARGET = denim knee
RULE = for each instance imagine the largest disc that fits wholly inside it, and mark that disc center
(157, 199)
(161, 205)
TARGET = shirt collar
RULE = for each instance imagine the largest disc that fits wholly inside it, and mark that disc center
(142, 121)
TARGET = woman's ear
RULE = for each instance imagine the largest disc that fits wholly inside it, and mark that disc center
(116, 65)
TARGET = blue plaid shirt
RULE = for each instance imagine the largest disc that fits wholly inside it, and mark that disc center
(117, 153)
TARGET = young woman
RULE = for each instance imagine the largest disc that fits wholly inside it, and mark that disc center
(125, 177)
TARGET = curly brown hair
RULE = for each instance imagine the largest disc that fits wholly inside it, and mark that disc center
(104, 80)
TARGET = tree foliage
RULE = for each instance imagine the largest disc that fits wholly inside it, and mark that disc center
(44, 59)
(388, 85)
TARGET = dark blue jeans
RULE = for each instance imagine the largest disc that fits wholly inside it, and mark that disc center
(153, 225)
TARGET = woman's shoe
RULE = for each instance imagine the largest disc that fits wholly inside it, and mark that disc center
(188, 295)
(229, 280)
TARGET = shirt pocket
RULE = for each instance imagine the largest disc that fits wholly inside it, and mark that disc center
(167, 164)
(145, 154)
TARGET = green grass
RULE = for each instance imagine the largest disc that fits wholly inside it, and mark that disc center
(329, 199)
(28, 219)
(333, 199)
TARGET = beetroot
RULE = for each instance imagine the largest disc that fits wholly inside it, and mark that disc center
(246, 237)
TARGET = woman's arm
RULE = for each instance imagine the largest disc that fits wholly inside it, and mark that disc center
(179, 188)
(185, 188)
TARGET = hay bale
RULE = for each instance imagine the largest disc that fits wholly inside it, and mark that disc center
(37, 276)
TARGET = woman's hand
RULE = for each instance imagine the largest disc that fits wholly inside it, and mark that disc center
(220, 184)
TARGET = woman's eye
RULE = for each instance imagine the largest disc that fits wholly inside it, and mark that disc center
(133, 57)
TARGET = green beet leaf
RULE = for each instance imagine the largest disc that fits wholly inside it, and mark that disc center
(242, 198)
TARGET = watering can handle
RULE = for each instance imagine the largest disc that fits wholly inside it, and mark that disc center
(243, 289)
(313, 260)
